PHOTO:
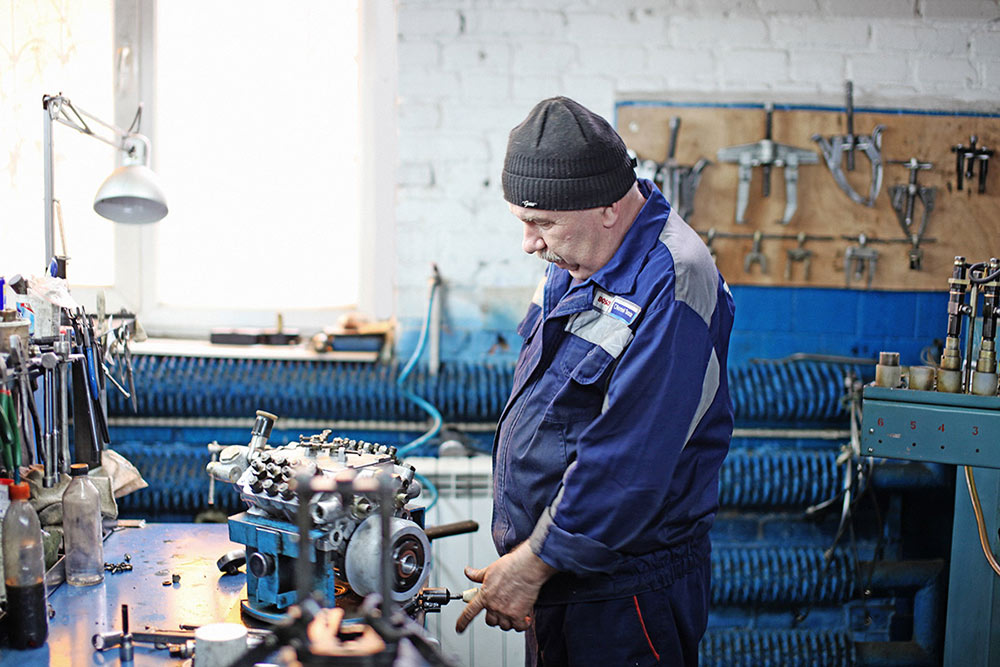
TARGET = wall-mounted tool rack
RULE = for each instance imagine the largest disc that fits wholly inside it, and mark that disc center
(959, 217)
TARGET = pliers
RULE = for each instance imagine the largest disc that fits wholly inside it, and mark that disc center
(10, 441)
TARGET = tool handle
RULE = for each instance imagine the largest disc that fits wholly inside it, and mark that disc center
(449, 529)
(850, 125)
(675, 126)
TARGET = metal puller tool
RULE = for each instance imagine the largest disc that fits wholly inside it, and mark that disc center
(904, 198)
(677, 182)
(767, 154)
(838, 152)
(965, 162)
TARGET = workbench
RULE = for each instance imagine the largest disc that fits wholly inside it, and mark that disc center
(203, 595)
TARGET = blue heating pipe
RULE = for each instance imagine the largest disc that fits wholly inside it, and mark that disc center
(428, 408)
(429, 486)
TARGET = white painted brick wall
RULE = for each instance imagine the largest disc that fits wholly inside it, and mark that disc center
(469, 70)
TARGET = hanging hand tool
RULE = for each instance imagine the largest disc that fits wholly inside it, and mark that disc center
(26, 397)
(904, 198)
(123, 376)
(95, 379)
(62, 350)
(680, 182)
(86, 440)
(677, 182)
(766, 154)
(10, 442)
(858, 260)
(755, 256)
(965, 162)
(51, 432)
(799, 254)
(837, 148)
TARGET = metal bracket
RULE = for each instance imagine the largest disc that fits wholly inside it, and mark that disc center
(903, 202)
(858, 260)
(799, 254)
(755, 256)
(767, 154)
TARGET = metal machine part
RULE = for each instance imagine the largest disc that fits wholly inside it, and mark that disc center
(966, 158)
(921, 378)
(984, 378)
(344, 535)
(949, 376)
(888, 372)
(904, 198)
(837, 148)
(410, 557)
(767, 154)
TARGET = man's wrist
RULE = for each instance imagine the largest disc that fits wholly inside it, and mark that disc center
(536, 570)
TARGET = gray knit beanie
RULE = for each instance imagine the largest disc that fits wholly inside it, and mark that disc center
(564, 157)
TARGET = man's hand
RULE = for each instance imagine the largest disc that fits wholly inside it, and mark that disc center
(509, 588)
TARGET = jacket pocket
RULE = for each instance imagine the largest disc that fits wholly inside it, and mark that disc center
(581, 397)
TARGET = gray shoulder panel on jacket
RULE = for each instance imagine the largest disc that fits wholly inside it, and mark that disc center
(696, 277)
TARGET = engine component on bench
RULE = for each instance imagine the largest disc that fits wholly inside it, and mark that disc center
(345, 537)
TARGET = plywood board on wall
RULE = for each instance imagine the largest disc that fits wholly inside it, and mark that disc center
(962, 222)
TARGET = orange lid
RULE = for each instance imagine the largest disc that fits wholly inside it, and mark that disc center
(20, 491)
(6, 481)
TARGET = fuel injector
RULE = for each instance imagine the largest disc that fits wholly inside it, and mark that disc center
(984, 382)
(949, 375)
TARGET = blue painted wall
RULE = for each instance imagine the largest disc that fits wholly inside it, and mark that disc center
(771, 323)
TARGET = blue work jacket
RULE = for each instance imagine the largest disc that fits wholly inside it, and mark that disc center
(608, 451)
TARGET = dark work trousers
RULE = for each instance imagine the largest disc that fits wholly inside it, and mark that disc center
(658, 627)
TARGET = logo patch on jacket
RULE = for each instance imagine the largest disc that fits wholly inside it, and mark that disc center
(616, 306)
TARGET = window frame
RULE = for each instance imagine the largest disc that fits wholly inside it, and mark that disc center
(135, 255)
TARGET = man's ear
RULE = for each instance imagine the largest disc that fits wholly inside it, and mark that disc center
(610, 214)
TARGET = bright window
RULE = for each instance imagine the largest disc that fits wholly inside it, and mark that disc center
(256, 141)
(47, 47)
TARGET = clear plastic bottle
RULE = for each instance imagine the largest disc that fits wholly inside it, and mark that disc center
(81, 506)
(24, 572)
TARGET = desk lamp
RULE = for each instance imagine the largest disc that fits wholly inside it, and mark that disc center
(131, 194)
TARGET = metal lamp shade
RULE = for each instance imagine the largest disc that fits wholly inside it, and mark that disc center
(131, 194)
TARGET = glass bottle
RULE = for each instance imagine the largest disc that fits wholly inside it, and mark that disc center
(24, 572)
(81, 506)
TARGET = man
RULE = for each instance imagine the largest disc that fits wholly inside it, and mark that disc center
(607, 454)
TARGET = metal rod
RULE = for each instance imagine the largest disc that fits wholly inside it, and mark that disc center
(850, 126)
(88, 132)
(47, 173)
(303, 567)
(385, 519)
(969, 337)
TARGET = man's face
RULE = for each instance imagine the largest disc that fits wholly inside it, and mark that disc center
(572, 240)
